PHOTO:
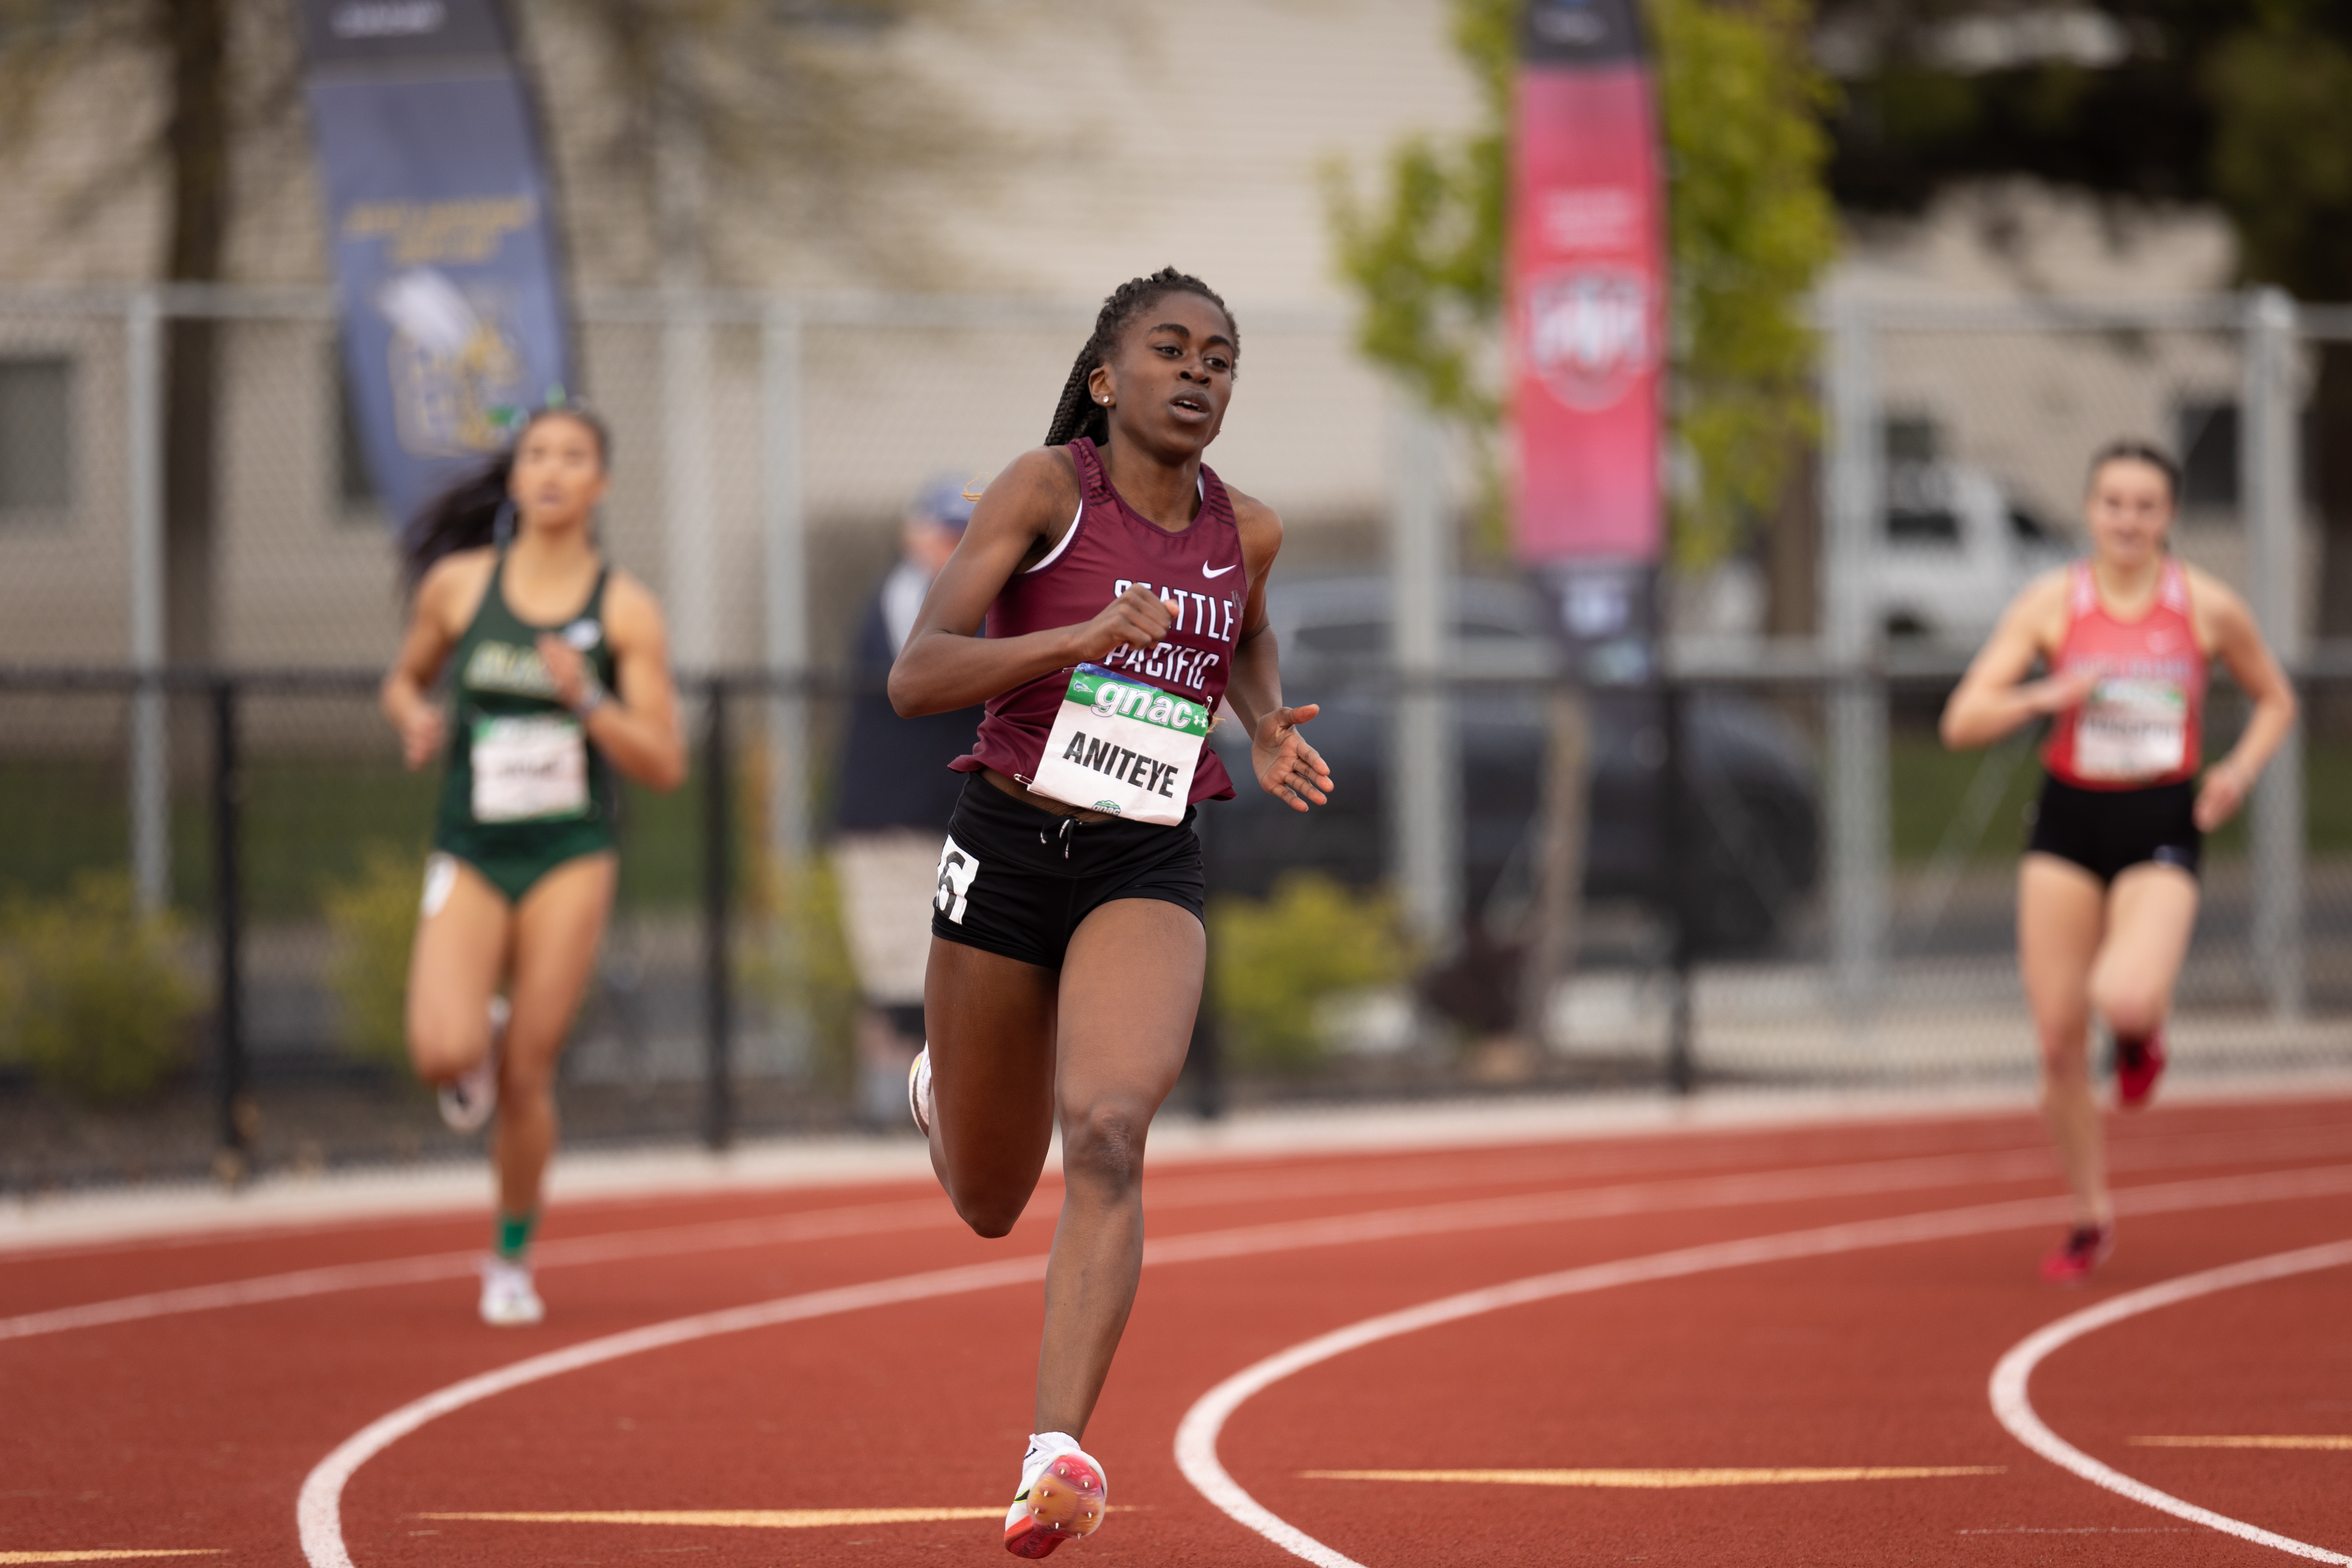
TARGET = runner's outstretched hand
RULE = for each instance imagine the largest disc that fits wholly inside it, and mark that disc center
(1288, 768)
(2224, 790)
(565, 667)
(2056, 693)
(423, 733)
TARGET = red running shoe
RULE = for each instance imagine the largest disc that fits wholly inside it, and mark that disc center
(2085, 1247)
(1061, 1499)
(2139, 1064)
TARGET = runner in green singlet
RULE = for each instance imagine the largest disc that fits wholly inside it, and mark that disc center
(560, 679)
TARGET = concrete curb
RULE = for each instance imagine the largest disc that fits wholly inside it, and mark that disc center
(196, 1211)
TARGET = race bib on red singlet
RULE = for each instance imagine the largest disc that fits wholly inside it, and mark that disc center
(1122, 747)
(2132, 729)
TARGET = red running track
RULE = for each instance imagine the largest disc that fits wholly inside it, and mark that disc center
(1763, 1346)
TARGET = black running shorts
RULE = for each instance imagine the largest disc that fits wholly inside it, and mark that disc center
(2106, 830)
(1016, 880)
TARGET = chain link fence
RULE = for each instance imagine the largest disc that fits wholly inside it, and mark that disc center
(1850, 885)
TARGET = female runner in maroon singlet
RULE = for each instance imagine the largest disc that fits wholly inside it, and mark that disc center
(1067, 944)
(2106, 897)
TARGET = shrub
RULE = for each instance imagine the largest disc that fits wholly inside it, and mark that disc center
(1276, 961)
(372, 920)
(802, 964)
(98, 1006)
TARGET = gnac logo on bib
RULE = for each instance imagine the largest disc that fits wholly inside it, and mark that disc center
(1588, 335)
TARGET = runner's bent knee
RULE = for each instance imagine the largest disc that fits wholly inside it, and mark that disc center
(444, 1041)
(2132, 1007)
(2067, 1058)
(1103, 1145)
(990, 1209)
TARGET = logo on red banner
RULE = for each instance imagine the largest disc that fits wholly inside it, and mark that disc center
(1589, 333)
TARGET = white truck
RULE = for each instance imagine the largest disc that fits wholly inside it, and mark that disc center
(1955, 550)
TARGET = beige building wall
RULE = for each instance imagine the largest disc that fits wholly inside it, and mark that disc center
(1113, 138)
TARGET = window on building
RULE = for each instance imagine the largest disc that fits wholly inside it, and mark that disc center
(35, 436)
(2205, 436)
(1919, 505)
(354, 485)
(1913, 439)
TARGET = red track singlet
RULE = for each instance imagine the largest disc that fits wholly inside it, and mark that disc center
(1109, 545)
(2142, 725)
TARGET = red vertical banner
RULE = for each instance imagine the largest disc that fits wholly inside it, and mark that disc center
(1586, 289)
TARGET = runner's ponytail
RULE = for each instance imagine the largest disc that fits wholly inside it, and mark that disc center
(466, 516)
(1077, 413)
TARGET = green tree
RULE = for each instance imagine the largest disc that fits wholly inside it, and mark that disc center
(1750, 226)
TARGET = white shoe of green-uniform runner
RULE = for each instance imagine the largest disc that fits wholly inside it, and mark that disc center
(467, 1100)
(510, 1299)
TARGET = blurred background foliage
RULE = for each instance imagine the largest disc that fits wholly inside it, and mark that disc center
(801, 965)
(372, 917)
(92, 996)
(1275, 962)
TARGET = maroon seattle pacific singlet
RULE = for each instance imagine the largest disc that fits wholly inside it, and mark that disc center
(1197, 569)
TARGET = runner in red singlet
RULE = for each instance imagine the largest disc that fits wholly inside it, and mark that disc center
(1123, 588)
(2107, 895)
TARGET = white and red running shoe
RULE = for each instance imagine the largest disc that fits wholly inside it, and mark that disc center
(918, 1089)
(1061, 1498)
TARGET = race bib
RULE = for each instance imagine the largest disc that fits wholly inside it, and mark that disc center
(1122, 747)
(2132, 729)
(532, 769)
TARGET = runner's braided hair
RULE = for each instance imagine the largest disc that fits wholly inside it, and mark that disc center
(465, 515)
(1077, 413)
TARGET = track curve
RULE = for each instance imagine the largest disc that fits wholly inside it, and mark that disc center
(2012, 1404)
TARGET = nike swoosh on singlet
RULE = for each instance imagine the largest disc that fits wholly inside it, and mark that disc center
(1209, 571)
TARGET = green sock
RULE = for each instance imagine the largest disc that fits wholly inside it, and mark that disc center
(514, 1233)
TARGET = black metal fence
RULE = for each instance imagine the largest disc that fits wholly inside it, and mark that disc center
(202, 970)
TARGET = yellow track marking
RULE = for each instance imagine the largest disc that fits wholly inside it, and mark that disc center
(739, 1517)
(1664, 1479)
(2286, 1442)
(104, 1556)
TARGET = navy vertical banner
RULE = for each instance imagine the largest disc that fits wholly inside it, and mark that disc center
(443, 238)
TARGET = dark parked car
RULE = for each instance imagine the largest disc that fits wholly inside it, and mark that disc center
(1755, 839)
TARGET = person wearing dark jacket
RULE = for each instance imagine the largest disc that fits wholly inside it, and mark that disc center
(895, 797)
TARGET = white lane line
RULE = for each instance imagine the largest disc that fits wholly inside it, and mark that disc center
(1197, 1433)
(2012, 1402)
(876, 1219)
(319, 1506)
(883, 1218)
(862, 1219)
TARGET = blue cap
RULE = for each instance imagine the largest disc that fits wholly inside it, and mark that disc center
(943, 501)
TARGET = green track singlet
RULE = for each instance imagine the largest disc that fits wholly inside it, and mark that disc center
(525, 790)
